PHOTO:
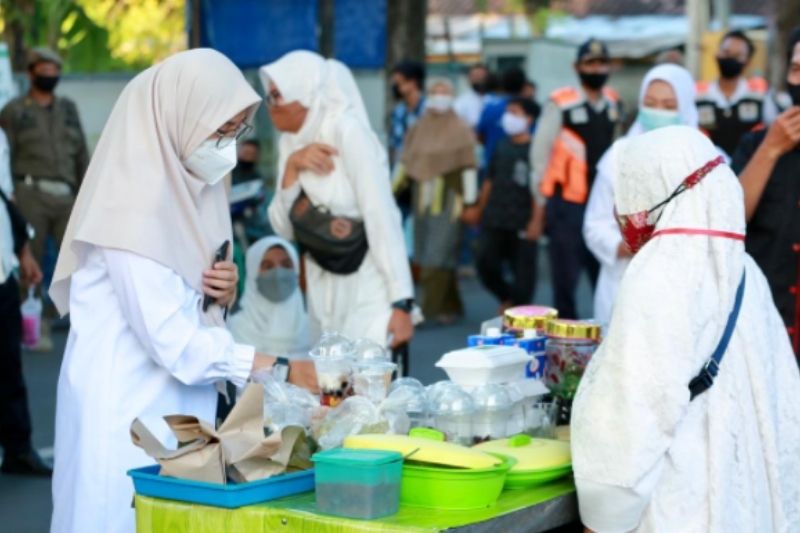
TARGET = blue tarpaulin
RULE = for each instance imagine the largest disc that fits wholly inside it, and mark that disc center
(360, 33)
(255, 32)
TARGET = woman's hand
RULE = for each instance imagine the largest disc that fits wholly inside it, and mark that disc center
(401, 328)
(29, 269)
(220, 282)
(471, 215)
(304, 374)
(301, 373)
(316, 157)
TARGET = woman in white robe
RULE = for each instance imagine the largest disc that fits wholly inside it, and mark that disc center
(132, 272)
(329, 151)
(272, 317)
(645, 457)
(666, 90)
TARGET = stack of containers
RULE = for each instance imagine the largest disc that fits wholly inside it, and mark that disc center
(412, 393)
(528, 325)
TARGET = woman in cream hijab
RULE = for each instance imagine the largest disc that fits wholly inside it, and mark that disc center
(439, 157)
(666, 97)
(272, 316)
(648, 455)
(329, 151)
(132, 273)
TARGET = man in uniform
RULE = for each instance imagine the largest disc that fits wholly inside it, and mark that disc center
(48, 155)
(733, 105)
(577, 126)
(767, 162)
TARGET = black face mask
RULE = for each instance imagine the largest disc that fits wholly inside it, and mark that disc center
(479, 87)
(794, 92)
(729, 67)
(246, 166)
(45, 83)
(593, 81)
(396, 92)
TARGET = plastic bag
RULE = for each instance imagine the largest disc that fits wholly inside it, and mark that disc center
(358, 415)
(31, 319)
(285, 404)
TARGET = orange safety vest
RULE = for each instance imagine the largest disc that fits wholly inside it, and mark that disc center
(567, 166)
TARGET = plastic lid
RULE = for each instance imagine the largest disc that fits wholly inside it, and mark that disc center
(375, 367)
(367, 350)
(433, 391)
(453, 401)
(411, 383)
(333, 345)
(348, 457)
(574, 329)
(529, 317)
(492, 398)
(483, 357)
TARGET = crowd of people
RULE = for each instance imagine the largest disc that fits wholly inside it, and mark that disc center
(144, 237)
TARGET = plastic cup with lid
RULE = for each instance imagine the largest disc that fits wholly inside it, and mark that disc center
(493, 409)
(453, 410)
(333, 358)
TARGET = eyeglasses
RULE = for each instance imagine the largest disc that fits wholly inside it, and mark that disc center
(225, 139)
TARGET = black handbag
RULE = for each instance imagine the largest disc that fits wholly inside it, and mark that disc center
(337, 244)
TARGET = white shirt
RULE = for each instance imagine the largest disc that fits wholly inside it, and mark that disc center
(136, 348)
(8, 260)
(469, 106)
(357, 305)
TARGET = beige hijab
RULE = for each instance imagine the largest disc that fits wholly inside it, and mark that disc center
(439, 143)
(136, 194)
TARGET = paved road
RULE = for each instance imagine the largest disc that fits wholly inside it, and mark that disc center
(25, 503)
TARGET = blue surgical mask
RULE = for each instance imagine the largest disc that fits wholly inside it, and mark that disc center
(277, 284)
(651, 118)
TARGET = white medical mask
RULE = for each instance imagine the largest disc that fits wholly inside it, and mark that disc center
(514, 124)
(210, 163)
(441, 103)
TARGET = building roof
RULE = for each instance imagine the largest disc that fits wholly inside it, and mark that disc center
(582, 8)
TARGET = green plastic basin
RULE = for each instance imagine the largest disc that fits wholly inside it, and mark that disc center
(453, 488)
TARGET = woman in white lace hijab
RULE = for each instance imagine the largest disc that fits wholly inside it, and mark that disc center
(648, 457)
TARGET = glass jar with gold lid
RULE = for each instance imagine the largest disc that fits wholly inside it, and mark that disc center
(570, 346)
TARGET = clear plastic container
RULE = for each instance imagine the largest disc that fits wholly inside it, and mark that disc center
(333, 358)
(493, 408)
(453, 410)
(361, 484)
(412, 394)
(372, 379)
(516, 422)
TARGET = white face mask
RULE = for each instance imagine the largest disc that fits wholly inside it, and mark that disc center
(441, 103)
(514, 124)
(210, 163)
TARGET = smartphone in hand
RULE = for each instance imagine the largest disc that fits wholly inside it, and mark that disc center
(221, 255)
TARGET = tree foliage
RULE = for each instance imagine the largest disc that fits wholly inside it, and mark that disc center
(95, 35)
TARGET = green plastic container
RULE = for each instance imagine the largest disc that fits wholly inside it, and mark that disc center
(358, 483)
(453, 488)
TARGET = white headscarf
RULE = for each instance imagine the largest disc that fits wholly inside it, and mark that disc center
(325, 87)
(681, 82)
(277, 329)
(673, 304)
(137, 195)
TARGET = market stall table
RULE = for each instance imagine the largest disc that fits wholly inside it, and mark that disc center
(524, 511)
